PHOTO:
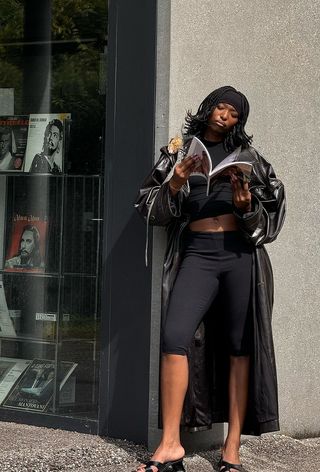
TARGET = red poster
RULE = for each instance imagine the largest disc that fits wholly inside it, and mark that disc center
(26, 247)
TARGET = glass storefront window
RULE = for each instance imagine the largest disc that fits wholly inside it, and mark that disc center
(52, 124)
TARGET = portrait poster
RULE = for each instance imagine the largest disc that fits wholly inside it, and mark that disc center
(34, 389)
(26, 244)
(13, 142)
(46, 143)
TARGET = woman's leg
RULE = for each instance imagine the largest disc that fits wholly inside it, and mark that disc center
(174, 384)
(238, 397)
(195, 288)
(236, 288)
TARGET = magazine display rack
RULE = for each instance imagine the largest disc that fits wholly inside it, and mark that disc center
(49, 291)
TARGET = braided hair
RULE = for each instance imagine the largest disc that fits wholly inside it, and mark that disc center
(196, 124)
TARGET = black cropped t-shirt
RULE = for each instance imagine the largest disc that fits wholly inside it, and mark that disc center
(220, 198)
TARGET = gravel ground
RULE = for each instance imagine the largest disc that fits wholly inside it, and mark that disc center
(32, 449)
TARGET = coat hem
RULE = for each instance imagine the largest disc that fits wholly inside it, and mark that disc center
(261, 428)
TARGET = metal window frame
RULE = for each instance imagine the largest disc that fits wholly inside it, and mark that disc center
(127, 284)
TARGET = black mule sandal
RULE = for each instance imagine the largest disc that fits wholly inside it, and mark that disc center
(170, 466)
(227, 466)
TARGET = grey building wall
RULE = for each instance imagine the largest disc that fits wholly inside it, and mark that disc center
(270, 51)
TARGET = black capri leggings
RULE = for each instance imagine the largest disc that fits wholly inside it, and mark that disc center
(212, 263)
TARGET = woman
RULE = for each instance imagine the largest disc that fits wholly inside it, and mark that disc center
(217, 284)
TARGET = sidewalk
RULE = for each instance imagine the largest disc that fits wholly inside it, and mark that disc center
(31, 449)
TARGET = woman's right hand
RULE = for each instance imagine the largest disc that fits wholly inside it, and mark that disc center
(182, 172)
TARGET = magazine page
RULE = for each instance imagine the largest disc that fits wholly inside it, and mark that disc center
(26, 244)
(13, 141)
(10, 370)
(205, 169)
(34, 390)
(244, 167)
(205, 165)
(45, 146)
(6, 323)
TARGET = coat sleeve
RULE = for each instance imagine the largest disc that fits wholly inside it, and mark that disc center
(154, 202)
(263, 224)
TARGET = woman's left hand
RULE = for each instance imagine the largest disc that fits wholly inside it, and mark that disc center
(241, 193)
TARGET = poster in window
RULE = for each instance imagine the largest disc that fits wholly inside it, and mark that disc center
(13, 142)
(46, 143)
(26, 244)
(34, 389)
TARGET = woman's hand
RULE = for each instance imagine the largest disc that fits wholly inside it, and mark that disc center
(241, 193)
(182, 172)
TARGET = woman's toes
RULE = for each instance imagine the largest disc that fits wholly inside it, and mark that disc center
(141, 468)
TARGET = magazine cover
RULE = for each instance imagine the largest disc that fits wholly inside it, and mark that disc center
(34, 389)
(26, 245)
(13, 141)
(45, 146)
(10, 371)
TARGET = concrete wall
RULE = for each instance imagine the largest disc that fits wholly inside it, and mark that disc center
(270, 51)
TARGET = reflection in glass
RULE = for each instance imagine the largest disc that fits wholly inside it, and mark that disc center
(52, 67)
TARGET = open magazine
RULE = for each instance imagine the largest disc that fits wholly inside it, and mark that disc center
(205, 168)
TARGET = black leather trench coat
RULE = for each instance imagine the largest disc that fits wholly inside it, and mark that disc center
(207, 396)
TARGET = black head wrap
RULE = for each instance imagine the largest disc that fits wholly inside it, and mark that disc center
(234, 99)
(237, 99)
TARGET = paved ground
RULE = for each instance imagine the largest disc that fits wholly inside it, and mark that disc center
(31, 449)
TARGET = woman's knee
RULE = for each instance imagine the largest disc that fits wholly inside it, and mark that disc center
(172, 343)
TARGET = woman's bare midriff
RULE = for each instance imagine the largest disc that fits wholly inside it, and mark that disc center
(215, 224)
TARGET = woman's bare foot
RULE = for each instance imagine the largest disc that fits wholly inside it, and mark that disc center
(165, 453)
(230, 453)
